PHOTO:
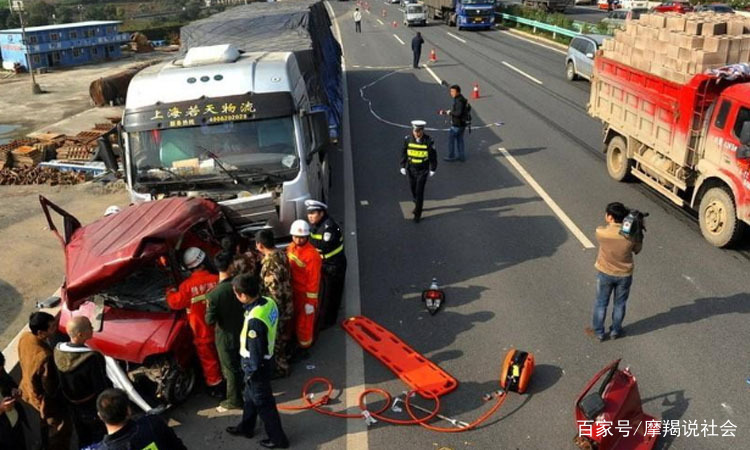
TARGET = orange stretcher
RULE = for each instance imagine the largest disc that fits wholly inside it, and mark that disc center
(421, 374)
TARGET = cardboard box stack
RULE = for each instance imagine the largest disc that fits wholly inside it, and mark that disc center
(677, 46)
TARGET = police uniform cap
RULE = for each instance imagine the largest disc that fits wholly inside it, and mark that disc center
(314, 205)
(418, 124)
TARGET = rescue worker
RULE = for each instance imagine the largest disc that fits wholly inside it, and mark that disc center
(418, 161)
(305, 264)
(257, 342)
(327, 238)
(225, 313)
(40, 385)
(191, 295)
(83, 376)
(147, 432)
(276, 282)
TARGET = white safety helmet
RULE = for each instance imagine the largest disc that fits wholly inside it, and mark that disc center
(300, 228)
(114, 209)
(193, 257)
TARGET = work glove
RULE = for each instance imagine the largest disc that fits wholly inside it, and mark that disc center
(403, 171)
(432, 172)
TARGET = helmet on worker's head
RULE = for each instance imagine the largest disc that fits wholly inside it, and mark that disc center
(114, 209)
(300, 228)
(193, 257)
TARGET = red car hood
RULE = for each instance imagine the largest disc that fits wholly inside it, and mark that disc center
(111, 248)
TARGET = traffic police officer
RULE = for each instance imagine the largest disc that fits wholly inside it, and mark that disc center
(256, 349)
(418, 161)
(327, 238)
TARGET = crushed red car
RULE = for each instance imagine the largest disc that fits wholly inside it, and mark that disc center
(117, 271)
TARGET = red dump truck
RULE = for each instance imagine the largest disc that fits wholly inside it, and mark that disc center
(690, 142)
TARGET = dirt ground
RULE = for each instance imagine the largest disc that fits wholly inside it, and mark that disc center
(32, 260)
(66, 93)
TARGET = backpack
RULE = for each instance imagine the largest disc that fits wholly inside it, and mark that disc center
(634, 225)
(467, 115)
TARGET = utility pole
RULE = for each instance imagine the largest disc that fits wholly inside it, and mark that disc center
(17, 5)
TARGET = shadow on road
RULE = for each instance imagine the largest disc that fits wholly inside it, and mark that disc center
(676, 405)
(11, 303)
(700, 309)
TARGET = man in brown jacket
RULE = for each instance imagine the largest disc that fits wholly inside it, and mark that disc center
(614, 265)
(40, 383)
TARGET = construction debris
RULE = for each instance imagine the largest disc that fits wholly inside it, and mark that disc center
(677, 46)
(139, 43)
(39, 175)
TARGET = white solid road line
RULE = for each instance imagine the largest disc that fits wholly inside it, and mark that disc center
(511, 66)
(399, 39)
(531, 41)
(434, 75)
(380, 22)
(455, 37)
(548, 200)
(356, 430)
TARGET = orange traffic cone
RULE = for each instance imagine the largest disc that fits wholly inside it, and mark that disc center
(433, 55)
(475, 91)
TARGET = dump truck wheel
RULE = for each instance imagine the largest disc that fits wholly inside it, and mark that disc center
(570, 71)
(618, 163)
(718, 218)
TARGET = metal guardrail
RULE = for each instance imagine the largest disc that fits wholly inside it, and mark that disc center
(555, 30)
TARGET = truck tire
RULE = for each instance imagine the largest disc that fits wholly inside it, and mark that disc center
(618, 163)
(570, 71)
(179, 384)
(718, 218)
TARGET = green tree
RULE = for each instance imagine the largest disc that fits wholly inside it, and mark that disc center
(39, 13)
(66, 14)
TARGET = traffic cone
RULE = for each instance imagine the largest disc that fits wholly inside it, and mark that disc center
(433, 55)
(475, 92)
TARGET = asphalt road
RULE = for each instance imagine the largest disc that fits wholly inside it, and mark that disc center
(515, 274)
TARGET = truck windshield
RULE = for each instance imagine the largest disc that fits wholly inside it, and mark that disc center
(414, 9)
(261, 146)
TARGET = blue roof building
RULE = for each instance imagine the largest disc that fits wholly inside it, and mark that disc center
(67, 44)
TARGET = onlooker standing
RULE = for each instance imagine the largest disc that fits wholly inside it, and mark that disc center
(305, 264)
(458, 113)
(225, 312)
(614, 264)
(12, 417)
(276, 282)
(256, 348)
(83, 376)
(147, 432)
(416, 48)
(357, 20)
(191, 295)
(326, 236)
(40, 382)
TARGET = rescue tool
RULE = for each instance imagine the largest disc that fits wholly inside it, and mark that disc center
(433, 298)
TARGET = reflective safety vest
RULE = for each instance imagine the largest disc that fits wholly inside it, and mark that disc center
(416, 153)
(267, 313)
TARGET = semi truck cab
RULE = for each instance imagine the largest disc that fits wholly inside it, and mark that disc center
(234, 127)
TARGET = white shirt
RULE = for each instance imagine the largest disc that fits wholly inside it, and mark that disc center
(357, 16)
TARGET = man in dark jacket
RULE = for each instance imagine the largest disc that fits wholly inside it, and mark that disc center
(459, 114)
(416, 48)
(147, 432)
(226, 313)
(83, 376)
(418, 161)
(12, 416)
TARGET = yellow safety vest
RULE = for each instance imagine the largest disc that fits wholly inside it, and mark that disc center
(269, 315)
(417, 153)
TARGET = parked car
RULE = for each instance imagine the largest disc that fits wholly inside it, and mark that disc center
(719, 8)
(634, 4)
(604, 4)
(680, 6)
(117, 271)
(617, 19)
(579, 61)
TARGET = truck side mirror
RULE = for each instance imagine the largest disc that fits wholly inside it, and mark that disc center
(320, 134)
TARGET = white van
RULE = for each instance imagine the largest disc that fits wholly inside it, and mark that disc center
(415, 14)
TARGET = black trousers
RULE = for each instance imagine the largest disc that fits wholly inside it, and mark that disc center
(417, 55)
(358, 27)
(417, 180)
(89, 428)
(331, 290)
(259, 401)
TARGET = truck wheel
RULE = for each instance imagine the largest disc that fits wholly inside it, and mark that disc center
(718, 218)
(570, 71)
(618, 163)
(179, 384)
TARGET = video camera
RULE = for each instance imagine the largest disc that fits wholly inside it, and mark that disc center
(634, 225)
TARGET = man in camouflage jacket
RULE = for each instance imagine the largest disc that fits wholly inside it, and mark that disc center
(276, 282)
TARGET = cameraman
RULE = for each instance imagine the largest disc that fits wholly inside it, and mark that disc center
(614, 265)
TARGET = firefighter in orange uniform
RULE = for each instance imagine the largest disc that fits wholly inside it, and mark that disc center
(191, 295)
(305, 264)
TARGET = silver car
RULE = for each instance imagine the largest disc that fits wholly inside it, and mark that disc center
(579, 61)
